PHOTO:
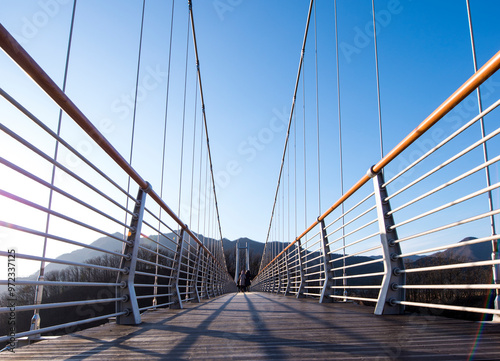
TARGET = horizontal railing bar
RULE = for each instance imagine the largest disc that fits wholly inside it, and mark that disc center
(153, 274)
(158, 218)
(60, 261)
(447, 162)
(444, 185)
(443, 142)
(152, 296)
(37, 121)
(151, 285)
(374, 274)
(354, 231)
(155, 253)
(359, 252)
(448, 307)
(58, 190)
(312, 274)
(452, 266)
(489, 68)
(157, 306)
(353, 220)
(56, 238)
(354, 298)
(162, 234)
(448, 205)
(355, 287)
(59, 166)
(454, 245)
(452, 287)
(356, 264)
(449, 225)
(63, 283)
(59, 305)
(64, 325)
(57, 214)
(151, 263)
(311, 294)
(351, 209)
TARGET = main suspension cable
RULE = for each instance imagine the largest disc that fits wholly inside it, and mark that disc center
(204, 114)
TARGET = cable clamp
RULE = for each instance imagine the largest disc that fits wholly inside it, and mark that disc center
(370, 173)
(148, 188)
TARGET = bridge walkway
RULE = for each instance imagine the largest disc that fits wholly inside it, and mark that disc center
(263, 326)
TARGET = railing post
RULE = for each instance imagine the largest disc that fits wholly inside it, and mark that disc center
(328, 282)
(174, 281)
(392, 263)
(287, 269)
(194, 283)
(204, 282)
(211, 278)
(267, 280)
(128, 265)
(280, 283)
(300, 291)
(276, 277)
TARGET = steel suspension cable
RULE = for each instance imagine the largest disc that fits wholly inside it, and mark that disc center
(378, 80)
(183, 117)
(291, 114)
(288, 195)
(135, 108)
(155, 291)
(317, 108)
(305, 143)
(199, 179)
(194, 151)
(295, 168)
(340, 148)
(41, 274)
(494, 243)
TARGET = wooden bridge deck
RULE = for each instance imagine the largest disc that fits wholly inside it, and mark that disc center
(262, 326)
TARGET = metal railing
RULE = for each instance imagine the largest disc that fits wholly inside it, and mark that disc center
(159, 262)
(407, 241)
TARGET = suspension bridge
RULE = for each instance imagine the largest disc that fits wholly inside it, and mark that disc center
(397, 260)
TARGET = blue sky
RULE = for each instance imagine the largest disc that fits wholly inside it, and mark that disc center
(249, 53)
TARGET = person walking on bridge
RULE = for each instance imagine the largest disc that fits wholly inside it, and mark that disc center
(242, 281)
(247, 280)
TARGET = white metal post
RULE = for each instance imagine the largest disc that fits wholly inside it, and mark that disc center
(300, 291)
(174, 281)
(391, 250)
(287, 270)
(128, 265)
(327, 289)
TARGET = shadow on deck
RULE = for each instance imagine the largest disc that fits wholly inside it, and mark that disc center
(257, 326)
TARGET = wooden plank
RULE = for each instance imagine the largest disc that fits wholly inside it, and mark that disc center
(257, 326)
